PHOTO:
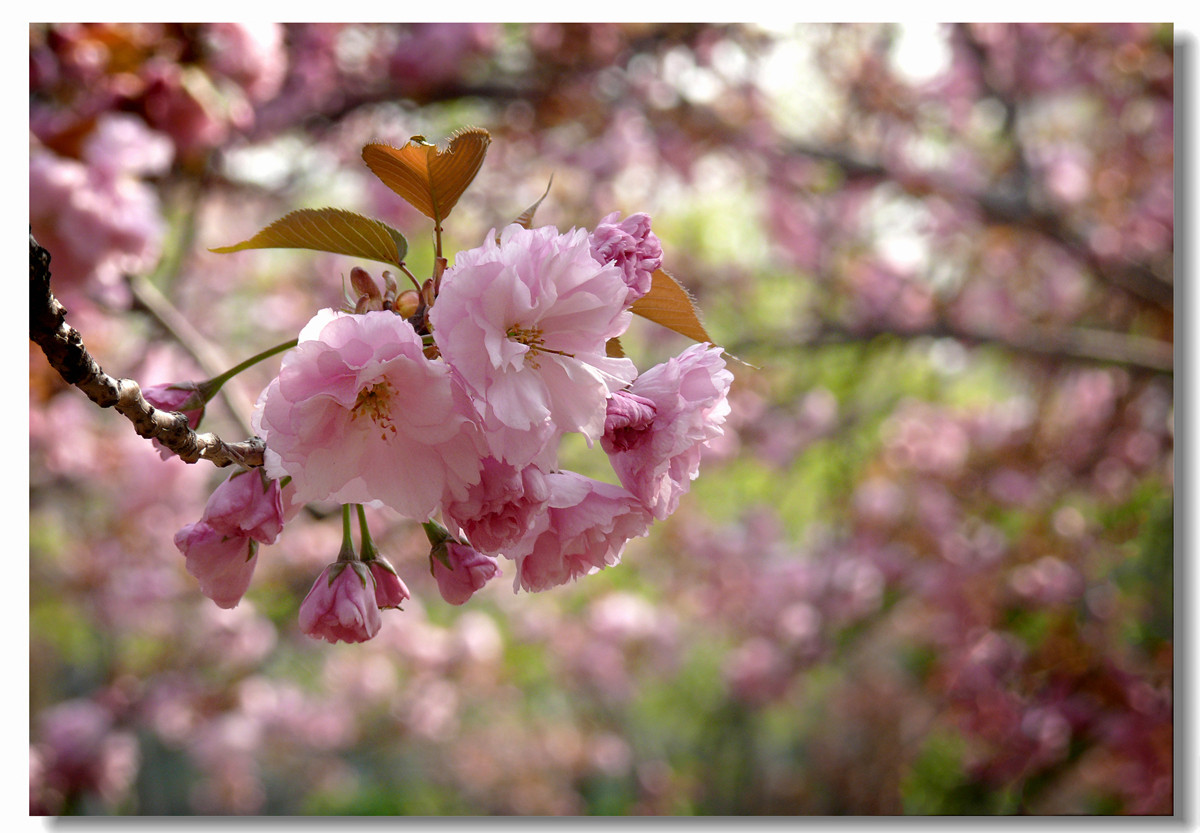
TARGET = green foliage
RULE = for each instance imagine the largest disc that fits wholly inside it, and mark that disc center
(939, 785)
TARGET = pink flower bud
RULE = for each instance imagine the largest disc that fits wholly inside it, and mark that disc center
(632, 246)
(626, 420)
(183, 397)
(341, 606)
(223, 563)
(469, 570)
(246, 504)
(390, 590)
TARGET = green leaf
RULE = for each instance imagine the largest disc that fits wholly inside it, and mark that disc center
(329, 230)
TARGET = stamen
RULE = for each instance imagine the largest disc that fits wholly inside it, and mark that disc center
(532, 338)
(374, 402)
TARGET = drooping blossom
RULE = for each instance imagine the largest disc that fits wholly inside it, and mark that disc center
(525, 320)
(657, 455)
(358, 414)
(390, 589)
(501, 507)
(222, 547)
(468, 571)
(631, 245)
(584, 529)
(222, 563)
(342, 605)
(247, 504)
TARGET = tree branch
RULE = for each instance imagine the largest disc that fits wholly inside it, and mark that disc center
(67, 354)
(1104, 346)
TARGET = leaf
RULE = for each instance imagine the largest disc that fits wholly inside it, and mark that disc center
(428, 177)
(613, 349)
(329, 230)
(526, 218)
(670, 304)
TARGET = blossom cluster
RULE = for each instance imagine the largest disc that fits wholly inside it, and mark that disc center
(457, 412)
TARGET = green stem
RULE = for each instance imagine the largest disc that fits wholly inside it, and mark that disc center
(214, 384)
(436, 533)
(368, 546)
(347, 552)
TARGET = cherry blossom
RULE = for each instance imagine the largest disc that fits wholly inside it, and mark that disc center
(524, 320)
(342, 604)
(358, 414)
(655, 432)
(584, 530)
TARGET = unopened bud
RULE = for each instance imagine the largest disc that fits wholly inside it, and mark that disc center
(390, 288)
(407, 302)
(363, 283)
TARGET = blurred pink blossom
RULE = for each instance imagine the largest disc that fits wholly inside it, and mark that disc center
(251, 54)
(341, 606)
(98, 220)
(80, 749)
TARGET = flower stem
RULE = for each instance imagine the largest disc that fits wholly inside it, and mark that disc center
(214, 384)
(436, 533)
(347, 552)
(368, 546)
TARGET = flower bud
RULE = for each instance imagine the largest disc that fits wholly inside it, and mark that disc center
(460, 570)
(390, 589)
(407, 303)
(363, 283)
(222, 563)
(341, 606)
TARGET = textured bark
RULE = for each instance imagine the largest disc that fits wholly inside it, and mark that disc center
(67, 354)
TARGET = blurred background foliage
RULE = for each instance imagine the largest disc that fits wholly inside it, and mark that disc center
(928, 569)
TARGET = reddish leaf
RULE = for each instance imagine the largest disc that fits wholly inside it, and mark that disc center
(428, 177)
(670, 304)
(526, 218)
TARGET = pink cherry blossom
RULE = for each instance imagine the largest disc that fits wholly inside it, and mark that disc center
(501, 508)
(342, 605)
(223, 563)
(584, 530)
(246, 504)
(630, 245)
(525, 320)
(359, 414)
(390, 590)
(655, 451)
(468, 572)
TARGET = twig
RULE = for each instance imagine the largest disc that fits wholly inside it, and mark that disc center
(1080, 343)
(67, 354)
